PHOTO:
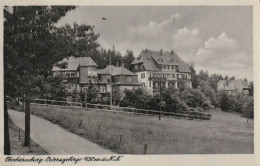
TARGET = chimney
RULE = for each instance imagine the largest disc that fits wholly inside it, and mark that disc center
(161, 52)
(117, 64)
(227, 82)
(171, 52)
(122, 64)
(146, 50)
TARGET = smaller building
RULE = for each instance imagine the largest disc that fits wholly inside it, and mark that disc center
(233, 86)
(78, 73)
(122, 78)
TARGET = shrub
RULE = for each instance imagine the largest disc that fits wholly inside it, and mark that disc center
(195, 98)
(225, 102)
(248, 108)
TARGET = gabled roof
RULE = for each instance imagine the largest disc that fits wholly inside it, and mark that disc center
(151, 59)
(102, 71)
(233, 84)
(74, 63)
(119, 71)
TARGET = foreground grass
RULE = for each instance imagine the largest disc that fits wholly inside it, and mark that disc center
(17, 147)
(225, 133)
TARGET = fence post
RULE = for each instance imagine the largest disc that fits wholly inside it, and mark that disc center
(98, 131)
(120, 138)
(145, 148)
(19, 134)
(80, 123)
(45, 102)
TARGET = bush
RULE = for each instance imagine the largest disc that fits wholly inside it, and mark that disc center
(248, 108)
(195, 98)
(225, 102)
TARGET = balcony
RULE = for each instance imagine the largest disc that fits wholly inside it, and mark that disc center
(156, 79)
(182, 80)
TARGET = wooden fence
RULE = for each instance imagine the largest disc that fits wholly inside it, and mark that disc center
(129, 110)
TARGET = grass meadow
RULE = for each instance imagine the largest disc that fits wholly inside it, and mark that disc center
(225, 133)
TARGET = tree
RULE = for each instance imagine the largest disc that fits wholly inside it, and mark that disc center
(225, 102)
(232, 78)
(7, 150)
(194, 78)
(208, 91)
(82, 98)
(52, 88)
(251, 89)
(92, 92)
(32, 45)
(118, 95)
(128, 58)
(249, 109)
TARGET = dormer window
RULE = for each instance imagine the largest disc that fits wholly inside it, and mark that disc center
(171, 60)
(160, 59)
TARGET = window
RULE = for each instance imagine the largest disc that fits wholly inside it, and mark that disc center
(142, 75)
(173, 75)
(70, 85)
(55, 74)
(164, 75)
(164, 66)
(169, 67)
(172, 67)
(150, 84)
(143, 84)
(171, 60)
(102, 88)
(84, 89)
(160, 59)
(136, 66)
(129, 79)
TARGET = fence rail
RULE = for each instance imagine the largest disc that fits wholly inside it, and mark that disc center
(129, 110)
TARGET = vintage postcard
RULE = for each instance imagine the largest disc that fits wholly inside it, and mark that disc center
(130, 83)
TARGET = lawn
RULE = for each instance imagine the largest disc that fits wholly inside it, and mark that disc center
(225, 133)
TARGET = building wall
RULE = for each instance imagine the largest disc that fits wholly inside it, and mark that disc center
(88, 73)
(104, 78)
(124, 79)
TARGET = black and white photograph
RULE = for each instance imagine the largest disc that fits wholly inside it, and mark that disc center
(127, 80)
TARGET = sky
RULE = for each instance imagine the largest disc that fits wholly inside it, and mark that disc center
(217, 39)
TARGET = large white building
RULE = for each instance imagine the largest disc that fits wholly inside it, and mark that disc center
(167, 67)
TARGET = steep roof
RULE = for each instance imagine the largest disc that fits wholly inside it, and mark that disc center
(102, 71)
(151, 59)
(74, 63)
(119, 71)
(233, 84)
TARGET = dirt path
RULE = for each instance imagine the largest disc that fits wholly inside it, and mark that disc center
(54, 139)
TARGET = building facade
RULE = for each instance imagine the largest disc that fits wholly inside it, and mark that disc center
(233, 86)
(78, 74)
(153, 67)
(82, 71)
